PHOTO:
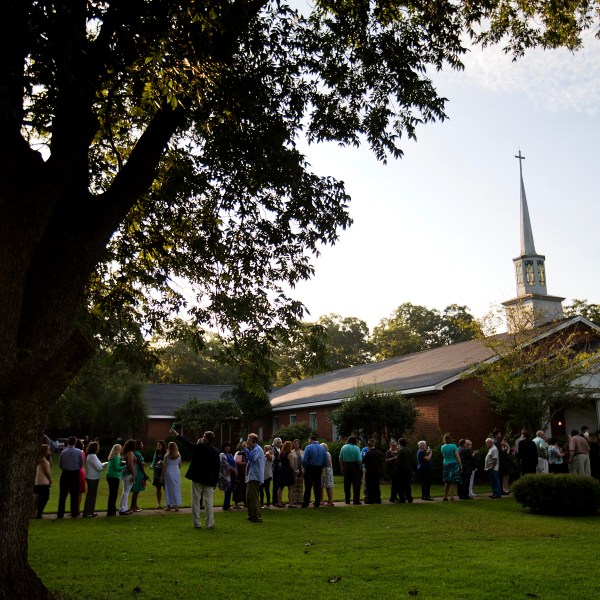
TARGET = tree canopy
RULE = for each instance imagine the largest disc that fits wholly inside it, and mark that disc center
(375, 413)
(530, 381)
(583, 308)
(199, 416)
(412, 328)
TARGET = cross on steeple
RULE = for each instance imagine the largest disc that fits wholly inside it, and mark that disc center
(521, 159)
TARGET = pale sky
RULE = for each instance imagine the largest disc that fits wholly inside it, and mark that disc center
(441, 225)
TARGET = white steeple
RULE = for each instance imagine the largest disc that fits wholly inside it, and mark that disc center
(532, 306)
(527, 245)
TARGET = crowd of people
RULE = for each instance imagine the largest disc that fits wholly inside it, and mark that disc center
(283, 474)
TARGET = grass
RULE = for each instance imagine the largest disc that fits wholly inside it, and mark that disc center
(467, 550)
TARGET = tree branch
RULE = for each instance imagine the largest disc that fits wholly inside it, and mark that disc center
(13, 44)
(137, 175)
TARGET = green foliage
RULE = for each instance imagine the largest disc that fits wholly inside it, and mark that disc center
(558, 494)
(298, 431)
(531, 382)
(346, 341)
(581, 307)
(334, 342)
(334, 449)
(299, 352)
(529, 24)
(199, 416)
(189, 360)
(234, 208)
(105, 399)
(413, 328)
(373, 412)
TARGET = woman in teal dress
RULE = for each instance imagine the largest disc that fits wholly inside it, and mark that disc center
(452, 466)
(139, 485)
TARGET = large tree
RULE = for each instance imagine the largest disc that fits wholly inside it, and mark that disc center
(334, 342)
(412, 328)
(373, 412)
(346, 341)
(583, 308)
(537, 373)
(198, 416)
(189, 356)
(149, 142)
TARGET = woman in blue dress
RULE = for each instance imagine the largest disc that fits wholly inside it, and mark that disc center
(171, 477)
(452, 466)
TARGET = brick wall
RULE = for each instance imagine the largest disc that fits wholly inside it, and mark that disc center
(461, 409)
(324, 426)
(465, 412)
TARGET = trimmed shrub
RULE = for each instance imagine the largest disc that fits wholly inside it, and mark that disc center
(334, 450)
(298, 431)
(558, 494)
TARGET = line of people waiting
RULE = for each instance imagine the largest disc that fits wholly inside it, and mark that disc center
(303, 471)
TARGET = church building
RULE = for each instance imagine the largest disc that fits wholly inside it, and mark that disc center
(447, 398)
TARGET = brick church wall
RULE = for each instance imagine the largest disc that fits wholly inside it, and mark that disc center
(465, 412)
(460, 409)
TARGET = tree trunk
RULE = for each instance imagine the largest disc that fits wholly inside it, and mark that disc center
(24, 414)
(17, 578)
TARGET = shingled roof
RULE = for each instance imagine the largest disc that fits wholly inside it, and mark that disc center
(417, 373)
(164, 398)
(412, 374)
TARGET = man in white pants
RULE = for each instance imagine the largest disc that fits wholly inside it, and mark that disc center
(204, 474)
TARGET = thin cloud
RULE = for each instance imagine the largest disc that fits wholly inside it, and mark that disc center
(552, 80)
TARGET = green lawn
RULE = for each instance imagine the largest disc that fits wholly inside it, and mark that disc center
(464, 550)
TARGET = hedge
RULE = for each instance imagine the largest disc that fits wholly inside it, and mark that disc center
(558, 494)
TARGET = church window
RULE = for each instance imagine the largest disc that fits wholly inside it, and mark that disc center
(529, 274)
(541, 272)
(313, 421)
(519, 269)
(292, 419)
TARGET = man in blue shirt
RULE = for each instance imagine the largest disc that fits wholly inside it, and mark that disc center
(70, 461)
(313, 461)
(255, 476)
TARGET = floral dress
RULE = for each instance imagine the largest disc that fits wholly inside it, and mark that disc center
(327, 476)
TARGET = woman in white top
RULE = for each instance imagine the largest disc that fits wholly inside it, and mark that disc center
(93, 472)
(327, 479)
(265, 488)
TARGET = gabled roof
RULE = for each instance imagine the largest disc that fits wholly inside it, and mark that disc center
(412, 374)
(417, 373)
(164, 398)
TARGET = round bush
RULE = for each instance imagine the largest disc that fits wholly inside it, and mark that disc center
(560, 494)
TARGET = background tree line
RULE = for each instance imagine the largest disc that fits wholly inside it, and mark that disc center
(107, 395)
